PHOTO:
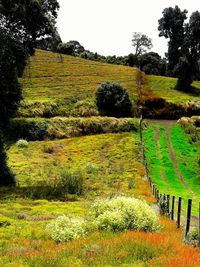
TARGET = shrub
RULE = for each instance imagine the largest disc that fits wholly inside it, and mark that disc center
(124, 213)
(71, 181)
(113, 100)
(59, 182)
(67, 229)
(22, 143)
(118, 214)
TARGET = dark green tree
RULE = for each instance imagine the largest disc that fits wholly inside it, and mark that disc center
(183, 46)
(6, 176)
(10, 89)
(152, 63)
(132, 60)
(50, 43)
(28, 20)
(113, 100)
(171, 26)
(72, 48)
(21, 23)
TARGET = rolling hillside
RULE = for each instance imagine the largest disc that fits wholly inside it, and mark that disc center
(63, 177)
(65, 85)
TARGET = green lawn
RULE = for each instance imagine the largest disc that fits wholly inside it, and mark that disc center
(164, 171)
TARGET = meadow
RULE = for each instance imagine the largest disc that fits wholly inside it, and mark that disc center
(56, 84)
(100, 157)
(173, 161)
(164, 87)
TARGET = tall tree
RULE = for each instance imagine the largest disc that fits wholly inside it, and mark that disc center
(183, 45)
(21, 23)
(141, 43)
(171, 26)
(28, 20)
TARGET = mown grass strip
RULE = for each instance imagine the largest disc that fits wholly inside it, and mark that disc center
(153, 158)
(187, 156)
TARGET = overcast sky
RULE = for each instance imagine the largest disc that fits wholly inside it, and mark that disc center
(106, 26)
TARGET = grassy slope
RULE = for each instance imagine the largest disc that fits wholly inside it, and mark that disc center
(113, 157)
(186, 157)
(47, 80)
(164, 87)
(23, 239)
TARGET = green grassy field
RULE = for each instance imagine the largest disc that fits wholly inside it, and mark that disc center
(108, 162)
(67, 86)
(164, 88)
(172, 162)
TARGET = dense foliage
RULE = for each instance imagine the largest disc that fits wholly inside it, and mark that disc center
(183, 45)
(6, 176)
(152, 63)
(113, 100)
(19, 30)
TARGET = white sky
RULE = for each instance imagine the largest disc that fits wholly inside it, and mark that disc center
(106, 26)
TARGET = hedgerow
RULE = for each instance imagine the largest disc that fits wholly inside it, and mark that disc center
(59, 127)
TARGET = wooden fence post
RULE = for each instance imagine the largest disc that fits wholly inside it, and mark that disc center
(153, 189)
(179, 213)
(157, 197)
(172, 212)
(188, 217)
(168, 198)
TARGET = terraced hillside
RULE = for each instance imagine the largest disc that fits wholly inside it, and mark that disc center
(56, 84)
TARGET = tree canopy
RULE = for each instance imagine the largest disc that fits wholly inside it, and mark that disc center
(183, 45)
(28, 20)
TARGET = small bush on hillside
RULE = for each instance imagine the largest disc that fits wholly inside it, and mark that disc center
(124, 213)
(67, 229)
(71, 181)
(117, 214)
(58, 182)
(22, 143)
(113, 100)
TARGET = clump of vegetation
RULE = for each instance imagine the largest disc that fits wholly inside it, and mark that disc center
(113, 100)
(58, 182)
(22, 143)
(66, 229)
(59, 127)
(117, 214)
(124, 213)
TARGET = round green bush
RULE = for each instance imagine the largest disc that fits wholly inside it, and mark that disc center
(113, 100)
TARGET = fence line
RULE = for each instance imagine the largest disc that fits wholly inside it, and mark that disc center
(165, 199)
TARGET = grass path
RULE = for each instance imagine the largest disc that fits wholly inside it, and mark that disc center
(172, 161)
(158, 151)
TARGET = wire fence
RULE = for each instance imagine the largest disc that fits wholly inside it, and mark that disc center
(185, 212)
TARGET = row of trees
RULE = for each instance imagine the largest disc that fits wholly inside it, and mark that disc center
(19, 31)
(150, 62)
